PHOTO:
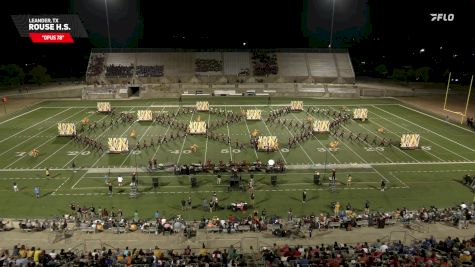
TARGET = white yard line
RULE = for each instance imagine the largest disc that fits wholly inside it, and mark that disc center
(59, 149)
(323, 146)
(301, 147)
(140, 139)
(399, 136)
(422, 127)
(49, 118)
(100, 157)
(400, 150)
(165, 134)
(388, 159)
(344, 143)
(403, 183)
(249, 135)
(439, 119)
(18, 116)
(285, 160)
(425, 137)
(184, 140)
(77, 182)
(229, 135)
(206, 146)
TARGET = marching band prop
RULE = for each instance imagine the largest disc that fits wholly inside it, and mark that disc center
(253, 114)
(321, 126)
(104, 107)
(202, 106)
(66, 129)
(267, 143)
(144, 115)
(118, 145)
(410, 141)
(360, 114)
(296, 105)
(197, 127)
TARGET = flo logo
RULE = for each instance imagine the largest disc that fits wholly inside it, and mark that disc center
(442, 17)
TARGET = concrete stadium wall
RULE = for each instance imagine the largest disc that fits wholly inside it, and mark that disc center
(51, 93)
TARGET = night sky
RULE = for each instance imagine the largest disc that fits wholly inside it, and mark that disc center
(375, 31)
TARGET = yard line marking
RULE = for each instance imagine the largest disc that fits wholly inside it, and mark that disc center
(344, 143)
(1, 141)
(184, 140)
(331, 154)
(426, 137)
(464, 146)
(366, 142)
(206, 146)
(432, 171)
(285, 160)
(229, 136)
(140, 139)
(80, 178)
(249, 134)
(165, 134)
(403, 183)
(59, 187)
(433, 117)
(400, 150)
(304, 151)
(48, 140)
(132, 124)
(18, 116)
(244, 105)
(427, 152)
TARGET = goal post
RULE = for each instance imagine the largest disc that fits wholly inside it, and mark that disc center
(460, 113)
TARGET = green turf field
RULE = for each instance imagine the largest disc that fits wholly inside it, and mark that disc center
(415, 178)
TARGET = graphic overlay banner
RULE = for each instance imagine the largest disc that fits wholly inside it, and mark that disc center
(66, 129)
(267, 143)
(253, 114)
(360, 114)
(118, 145)
(410, 141)
(197, 127)
(49, 28)
(144, 115)
(104, 107)
(296, 105)
(321, 126)
(202, 106)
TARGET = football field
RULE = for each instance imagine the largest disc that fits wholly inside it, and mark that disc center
(415, 178)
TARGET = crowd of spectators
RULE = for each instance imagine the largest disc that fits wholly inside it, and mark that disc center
(428, 252)
(264, 64)
(149, 71)
(119, 71)
(96, 65)
(206, 65)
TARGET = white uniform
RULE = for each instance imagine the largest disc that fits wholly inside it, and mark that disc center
(120, 179)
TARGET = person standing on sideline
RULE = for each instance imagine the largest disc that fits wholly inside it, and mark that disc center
(109, 184)
(304, 197)
(120, 180)
(337, 208)
(290, 215)
(383, 185)
(37, 191)
(106, 179)
(252, 198)
(218, 179)
(15, 187)
(47, 173)
(333, 174)
(348, 181)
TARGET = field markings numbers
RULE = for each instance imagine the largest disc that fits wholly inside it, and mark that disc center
(249, 134)
(49, 118)
(323, 146)
(184, 140)
(265, 124)
(369, 145)
(301, 147)
(426, 149)
(437, 144)
(344, 143)
(20, 155)
(140, 139)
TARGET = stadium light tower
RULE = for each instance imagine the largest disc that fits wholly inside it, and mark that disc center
(108, 28)
(331, 29)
